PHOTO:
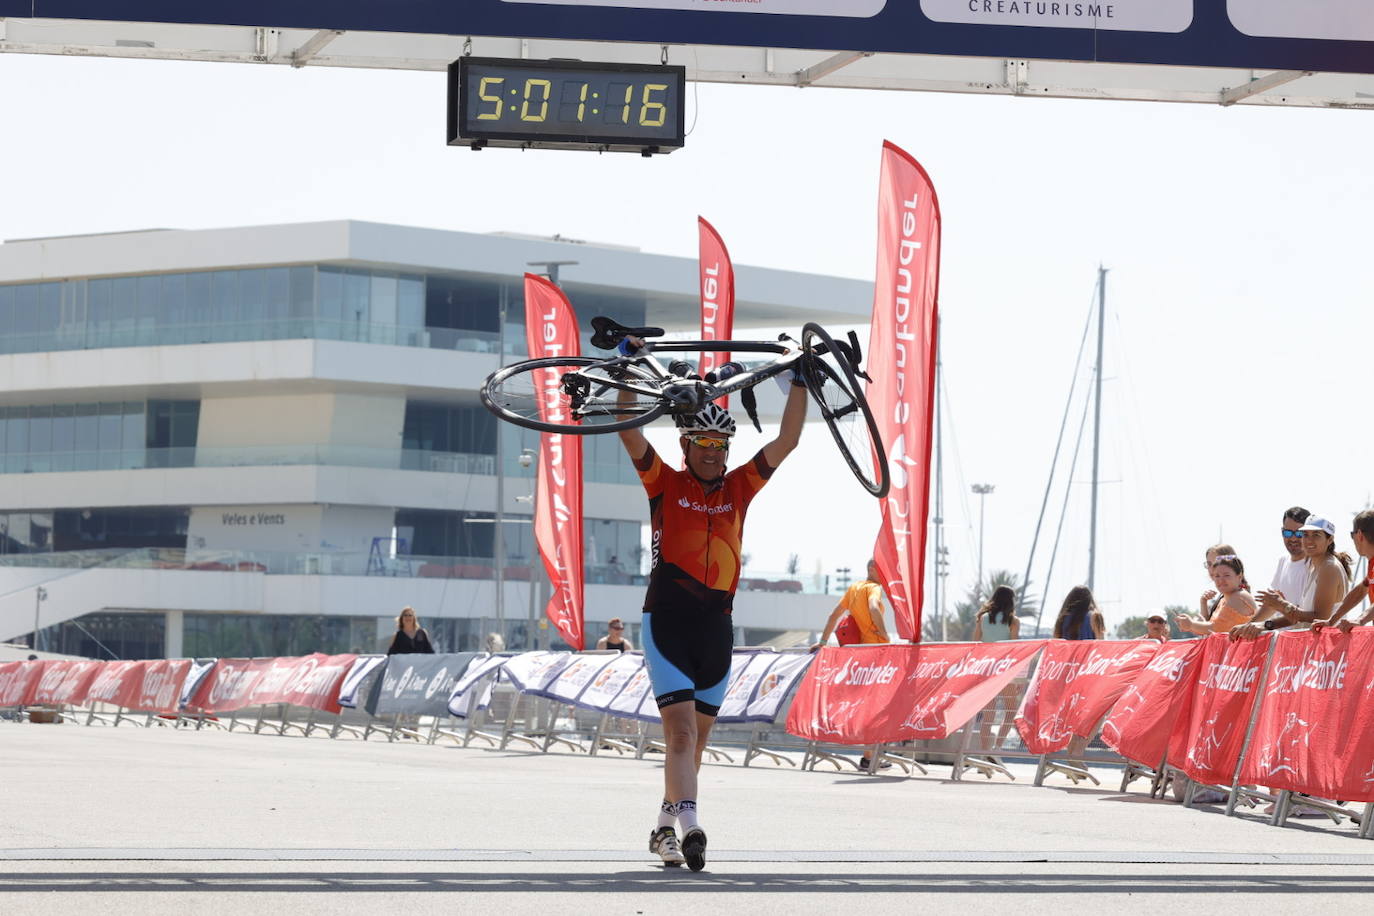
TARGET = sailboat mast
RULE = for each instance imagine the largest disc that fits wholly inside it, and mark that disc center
(939, 495)
(1097, 420)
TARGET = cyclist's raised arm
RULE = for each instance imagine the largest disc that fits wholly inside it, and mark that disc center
(789, 433)
(634, 441)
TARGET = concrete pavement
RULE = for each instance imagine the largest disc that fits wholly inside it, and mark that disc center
(133, 820)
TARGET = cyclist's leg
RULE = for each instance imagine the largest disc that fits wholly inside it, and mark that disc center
(674, 691)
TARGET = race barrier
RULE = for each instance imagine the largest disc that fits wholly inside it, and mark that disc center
(1277, 719)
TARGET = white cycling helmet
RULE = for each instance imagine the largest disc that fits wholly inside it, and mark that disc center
(711, 419)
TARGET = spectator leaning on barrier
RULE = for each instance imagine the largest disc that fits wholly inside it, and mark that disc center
(1290, 576)
(1226, 606)
(1362, 533)
(1156, 628)
(1328, 577)
(615, 637)
(410, 637)
(863, 602)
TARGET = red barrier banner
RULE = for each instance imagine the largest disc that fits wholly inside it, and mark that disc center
(952, 683)
(853, 694)
(1315, 733)
(1139, 725)
(1075, 685)
(1206, 742)
(551, 331)
(111, 681)
(65, 683)
(17, 682)
(155, 687)
(717, 283)
(901, 361)
(311, 680)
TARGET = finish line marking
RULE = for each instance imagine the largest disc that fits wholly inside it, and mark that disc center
(797, 856)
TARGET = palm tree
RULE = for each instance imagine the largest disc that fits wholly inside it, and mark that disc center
(959, 627)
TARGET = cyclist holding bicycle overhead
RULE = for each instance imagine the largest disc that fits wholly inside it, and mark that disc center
(697, 516)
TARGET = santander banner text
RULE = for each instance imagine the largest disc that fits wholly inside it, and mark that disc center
(901, 362)
(551, 331)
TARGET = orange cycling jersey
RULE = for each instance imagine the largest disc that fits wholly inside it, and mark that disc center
(697, 529)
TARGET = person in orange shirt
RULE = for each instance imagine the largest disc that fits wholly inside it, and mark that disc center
(863, 602)
(1233, 604)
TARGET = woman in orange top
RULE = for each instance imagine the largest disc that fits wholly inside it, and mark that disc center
(1235, 605)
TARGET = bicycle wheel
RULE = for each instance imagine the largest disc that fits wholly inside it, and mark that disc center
(835, 389)
(582, 397)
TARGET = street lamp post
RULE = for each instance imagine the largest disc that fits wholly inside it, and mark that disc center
(982, 489)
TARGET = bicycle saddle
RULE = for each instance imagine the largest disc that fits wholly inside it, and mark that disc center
(607, 332)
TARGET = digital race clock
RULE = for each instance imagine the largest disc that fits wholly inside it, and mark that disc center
(565, 104)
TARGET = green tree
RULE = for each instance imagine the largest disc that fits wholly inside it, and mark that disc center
(959, 627)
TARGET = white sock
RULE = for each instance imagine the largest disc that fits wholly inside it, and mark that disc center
(687, 814)
(667, 814)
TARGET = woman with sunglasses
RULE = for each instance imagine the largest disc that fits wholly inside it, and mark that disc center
(697, 521)
(1328, 578)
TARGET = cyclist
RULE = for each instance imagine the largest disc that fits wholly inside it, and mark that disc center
(697, 517)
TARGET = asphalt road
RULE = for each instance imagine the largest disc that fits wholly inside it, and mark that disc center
(129, 820)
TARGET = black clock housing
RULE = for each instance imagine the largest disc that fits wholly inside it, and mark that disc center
(565, 104)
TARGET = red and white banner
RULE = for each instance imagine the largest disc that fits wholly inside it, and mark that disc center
(110, 681)
(64, 683)
(1315, 731)
(18, 681)
(1206, 742)
(155, 686)
(551, 331)
(310, 680)
(901, 361)
(1139, 725)
(1075, 685)
(853, 694)
(951, 683)
(717, 282)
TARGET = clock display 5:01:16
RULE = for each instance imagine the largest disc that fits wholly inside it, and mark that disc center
(571, 101)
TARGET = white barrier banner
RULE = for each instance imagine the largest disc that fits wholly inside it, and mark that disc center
(611, 680)
(775, 686)
(575, 677)
(357, 678)
(533, 672)
(479, 669)
(200, 668)
(636, 701)
(746, 670)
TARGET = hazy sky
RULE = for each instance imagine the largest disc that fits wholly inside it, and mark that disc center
(1238, 242)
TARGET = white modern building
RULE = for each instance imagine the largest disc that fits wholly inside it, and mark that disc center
(266, 440)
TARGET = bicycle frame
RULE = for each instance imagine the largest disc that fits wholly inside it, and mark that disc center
(644, 358)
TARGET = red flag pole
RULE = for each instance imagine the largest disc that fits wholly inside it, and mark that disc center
(717, 285)
(902, 364)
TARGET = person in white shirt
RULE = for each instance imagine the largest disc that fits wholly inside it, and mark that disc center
(1290, 577)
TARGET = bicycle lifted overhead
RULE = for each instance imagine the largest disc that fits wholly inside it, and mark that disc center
(585, 393)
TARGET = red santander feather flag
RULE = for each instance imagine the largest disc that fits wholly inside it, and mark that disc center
(717, 285)
(551, 331)
(901, 361)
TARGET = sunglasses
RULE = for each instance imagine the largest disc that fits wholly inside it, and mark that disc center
(719, 445)
(1292, 534)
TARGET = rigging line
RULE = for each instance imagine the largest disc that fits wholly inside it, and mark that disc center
(1044, 502)
(74, 623)
(1063, 511)
(1155, 514)
(953, 444)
